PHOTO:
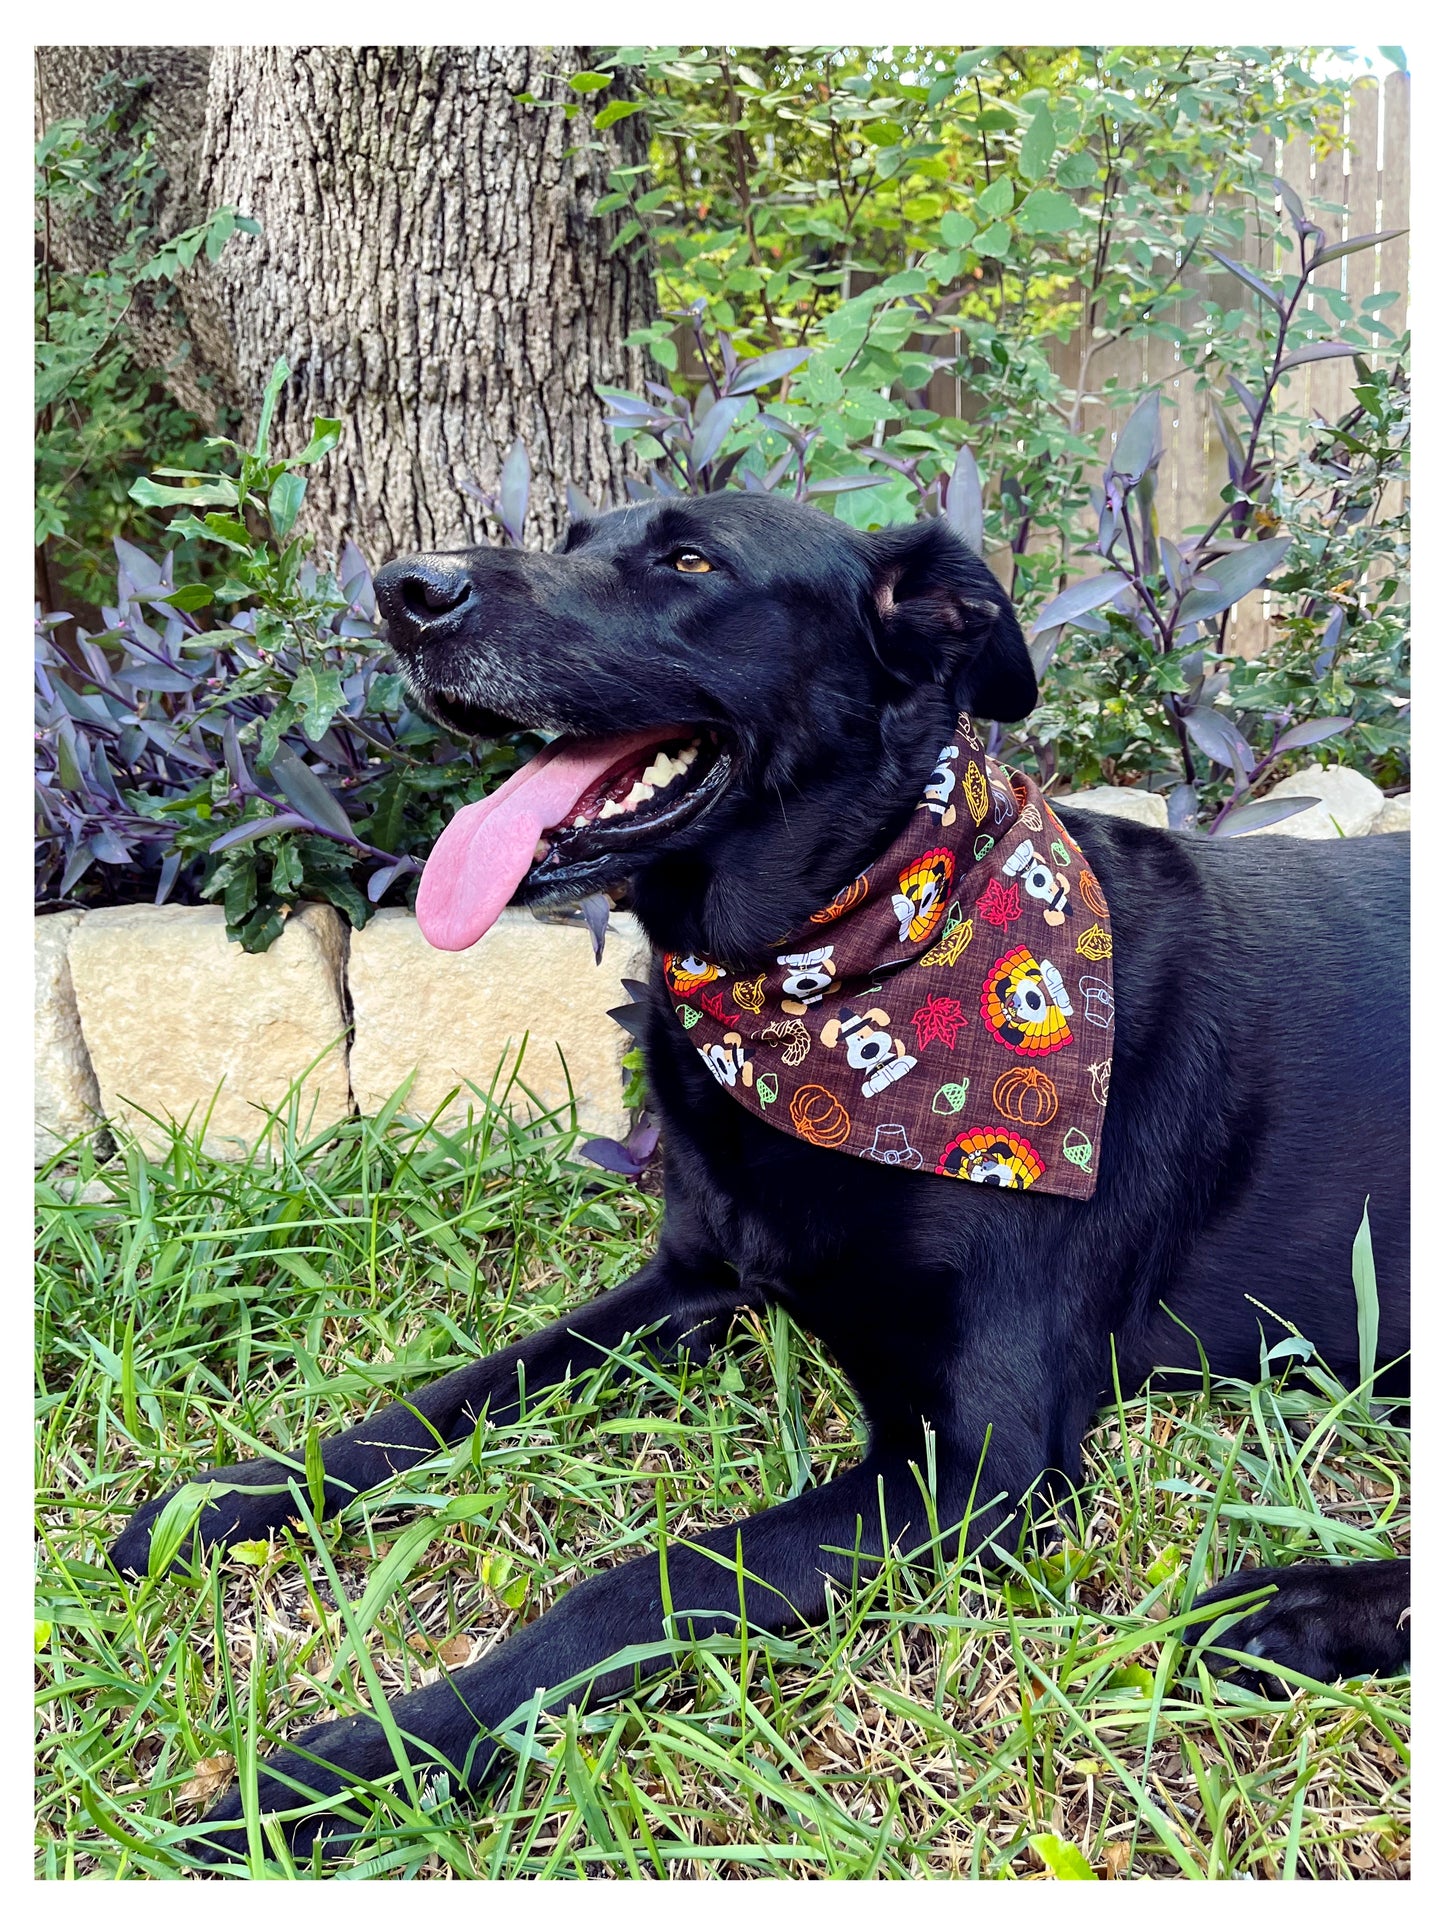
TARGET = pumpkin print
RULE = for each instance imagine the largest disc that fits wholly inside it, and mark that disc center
(991, 1156)
(819, 1117)
(1026, 1096)
(846, 899)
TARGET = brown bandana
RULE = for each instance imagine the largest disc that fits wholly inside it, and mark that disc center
(950, 1011)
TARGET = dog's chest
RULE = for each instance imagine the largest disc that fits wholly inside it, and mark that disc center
(794, 1218)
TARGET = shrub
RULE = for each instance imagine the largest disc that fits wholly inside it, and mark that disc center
(233, 734)
(268, 758)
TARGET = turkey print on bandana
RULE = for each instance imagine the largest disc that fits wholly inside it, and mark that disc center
(951, 1022)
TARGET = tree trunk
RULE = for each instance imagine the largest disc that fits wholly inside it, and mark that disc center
(428, 264)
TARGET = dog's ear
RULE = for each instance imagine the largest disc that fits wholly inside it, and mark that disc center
(942, 617)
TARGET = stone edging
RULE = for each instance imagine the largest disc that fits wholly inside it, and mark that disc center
(147, 1014)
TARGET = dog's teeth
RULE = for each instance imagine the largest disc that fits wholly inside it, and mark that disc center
(609, 808)
(688, 755)
(541, 850)
(579, 822)
(640, 792)
(659, 771)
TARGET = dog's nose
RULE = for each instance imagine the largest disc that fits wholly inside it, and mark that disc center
(421, 598)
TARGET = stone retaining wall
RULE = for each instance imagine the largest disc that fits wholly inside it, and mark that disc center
(150, 1016)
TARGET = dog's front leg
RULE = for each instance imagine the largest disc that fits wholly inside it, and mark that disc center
(687, 1298)
(788, 1553)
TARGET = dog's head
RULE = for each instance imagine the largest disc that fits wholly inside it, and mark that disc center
(750, 697)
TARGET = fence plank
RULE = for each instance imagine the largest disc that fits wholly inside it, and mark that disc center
(1395, 198)
(1394, 269)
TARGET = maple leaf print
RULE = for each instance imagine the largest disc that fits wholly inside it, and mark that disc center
(998, 905)
(715, 1007)
(939, 1021)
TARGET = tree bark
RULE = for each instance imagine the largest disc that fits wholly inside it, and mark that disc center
(428, 264)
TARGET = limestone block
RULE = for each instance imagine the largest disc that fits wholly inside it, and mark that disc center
(180, 1021)
(1393, 817)
(454, 1017)
(67, 1097)
(1134, 805)
(1349, 805)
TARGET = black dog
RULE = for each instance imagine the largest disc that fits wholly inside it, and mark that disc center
(1259, 1090)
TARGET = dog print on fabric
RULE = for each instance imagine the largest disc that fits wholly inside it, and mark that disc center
(956, 964)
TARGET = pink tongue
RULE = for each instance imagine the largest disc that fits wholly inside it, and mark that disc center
(486, 849)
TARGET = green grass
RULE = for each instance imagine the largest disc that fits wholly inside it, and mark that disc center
(946, 1722)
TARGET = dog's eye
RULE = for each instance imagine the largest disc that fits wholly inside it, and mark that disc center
(687, 561)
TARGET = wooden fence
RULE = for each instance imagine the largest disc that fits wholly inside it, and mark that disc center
(1371, 184)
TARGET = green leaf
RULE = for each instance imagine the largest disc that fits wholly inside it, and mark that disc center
(191, 595)
(1037, 149)
(157, 495)
(1047, 211)
(173, 1527)
(277, 382)
(256, 1552)
(956, 229)
(996, 200)
(317, 694)
(616, 110)
(1079, 170)
(994, 241)
(283, 504)
(325, 434)
(229, 532)
(589, 83)
(1062, 1857)
(315, 1473)
(341, 891)
(222, 227)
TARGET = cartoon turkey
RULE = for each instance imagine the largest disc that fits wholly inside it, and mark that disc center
(1025, 1005)
(922, 891)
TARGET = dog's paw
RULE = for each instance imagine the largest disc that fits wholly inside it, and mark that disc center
(324, 1764)
(1326, 1622)
(230, 1517)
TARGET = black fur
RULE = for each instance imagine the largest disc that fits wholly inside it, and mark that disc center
(1259, 1093)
